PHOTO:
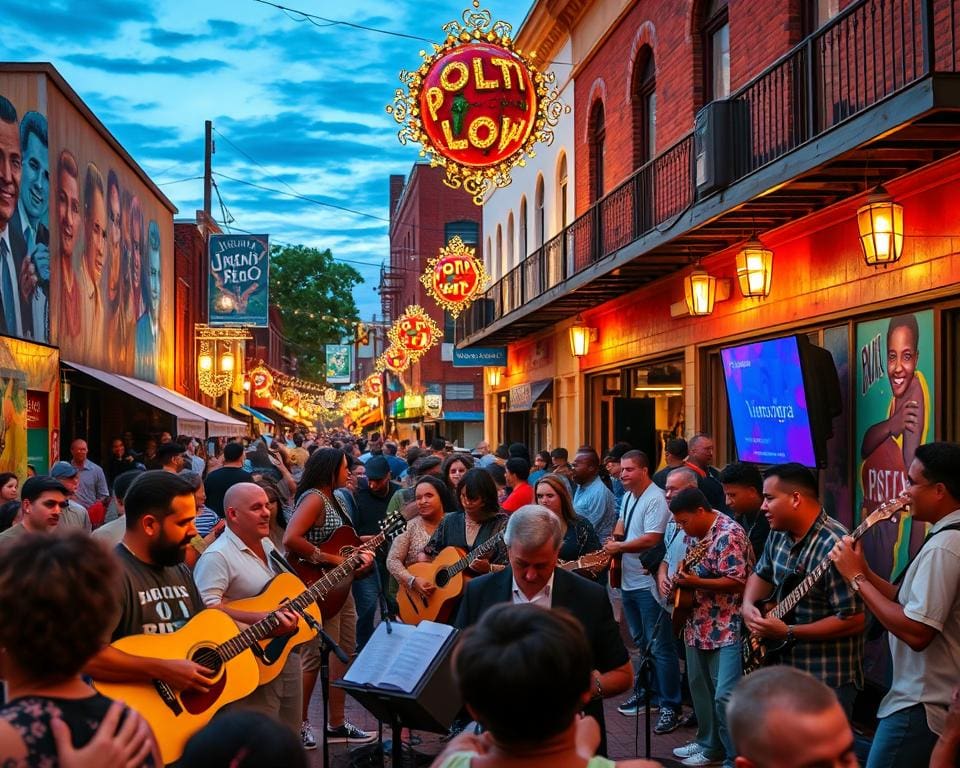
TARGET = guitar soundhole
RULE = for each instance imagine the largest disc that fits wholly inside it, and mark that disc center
(443, 578)
(208, 658)
(196, 702)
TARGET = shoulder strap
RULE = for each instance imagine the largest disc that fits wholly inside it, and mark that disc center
(626, 524)
(899, 579)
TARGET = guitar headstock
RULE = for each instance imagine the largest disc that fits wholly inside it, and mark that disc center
(887, 510)
(393, 524)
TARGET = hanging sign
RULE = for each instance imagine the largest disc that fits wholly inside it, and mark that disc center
(414, 332)
(395, 359)
(455, 277)
(261, 380)
(339, 359)
(477, 104)
(373, 385)
(239, 280)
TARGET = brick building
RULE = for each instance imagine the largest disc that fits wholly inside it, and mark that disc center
(698, 128)
(424, 215)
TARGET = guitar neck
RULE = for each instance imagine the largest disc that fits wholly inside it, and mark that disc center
(465, 562)
(790, 601)
(317, 591)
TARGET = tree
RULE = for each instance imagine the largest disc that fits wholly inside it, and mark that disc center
(315, 296)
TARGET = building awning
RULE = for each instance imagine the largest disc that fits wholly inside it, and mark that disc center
(461, 416)
(523, 396)
(192, 417)
(262, 418)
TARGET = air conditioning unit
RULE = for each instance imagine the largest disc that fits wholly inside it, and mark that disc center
(719, 140)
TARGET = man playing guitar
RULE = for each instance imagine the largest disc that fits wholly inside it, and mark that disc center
(826, 635)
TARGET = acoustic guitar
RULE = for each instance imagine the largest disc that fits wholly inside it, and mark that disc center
(344, 543)
(760, 651)
(593, 563)
(446, 572)
(682, 599)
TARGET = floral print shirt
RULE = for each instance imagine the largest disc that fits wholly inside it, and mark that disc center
(715, 622)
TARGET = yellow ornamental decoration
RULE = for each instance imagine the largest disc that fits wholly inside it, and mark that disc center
(456, 277)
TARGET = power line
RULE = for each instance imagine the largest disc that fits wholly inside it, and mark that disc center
(178, 181)
(314, 19)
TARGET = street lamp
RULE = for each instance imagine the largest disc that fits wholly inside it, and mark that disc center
(700, 291)
(581, 335)
(880, 221)
(754, 269)
(493, 377)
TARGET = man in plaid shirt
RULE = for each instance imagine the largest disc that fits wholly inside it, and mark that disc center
(825, 633)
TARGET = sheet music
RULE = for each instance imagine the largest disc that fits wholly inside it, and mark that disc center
(398, 660)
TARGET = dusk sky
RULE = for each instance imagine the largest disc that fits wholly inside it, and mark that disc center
(297, 105)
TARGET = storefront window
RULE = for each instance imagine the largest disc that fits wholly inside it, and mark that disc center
(641, 405)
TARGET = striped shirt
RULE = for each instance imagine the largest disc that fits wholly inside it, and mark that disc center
(837, 661)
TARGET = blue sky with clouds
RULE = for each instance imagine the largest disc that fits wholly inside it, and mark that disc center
(305, 103)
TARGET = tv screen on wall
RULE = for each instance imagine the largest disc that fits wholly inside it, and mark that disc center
(768, 402)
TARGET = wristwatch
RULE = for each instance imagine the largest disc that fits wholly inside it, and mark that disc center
(855, 581)
(791, 638)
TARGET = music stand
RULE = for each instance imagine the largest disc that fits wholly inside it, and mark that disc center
(432, 706)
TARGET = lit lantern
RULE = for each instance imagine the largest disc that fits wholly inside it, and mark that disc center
(415, 332)
(754, 269)
(227, 362)
(880, 221)
(455, 278)
(205, 361)
(477, 105)
(493, 377)
(580, 335)
(700, 289)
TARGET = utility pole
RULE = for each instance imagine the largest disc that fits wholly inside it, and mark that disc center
(207, 166)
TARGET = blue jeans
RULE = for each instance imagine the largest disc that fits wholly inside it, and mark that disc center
(365, 594)
(713, 675)
(646, 618)
(903, 740)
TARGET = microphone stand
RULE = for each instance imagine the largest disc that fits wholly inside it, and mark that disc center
(644, 682)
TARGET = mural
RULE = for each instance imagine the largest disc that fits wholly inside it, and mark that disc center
(894, 406)
(24, 223)
(28, 404)
(89, 277)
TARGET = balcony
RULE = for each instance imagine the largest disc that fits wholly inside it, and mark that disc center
(867, 98)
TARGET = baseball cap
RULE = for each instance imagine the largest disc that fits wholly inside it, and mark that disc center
(63, 469)
(377, 468)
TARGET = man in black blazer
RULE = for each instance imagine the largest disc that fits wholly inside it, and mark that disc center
(533, 537)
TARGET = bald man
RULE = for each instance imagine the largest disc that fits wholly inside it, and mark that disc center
(781, 717)
(236, 566)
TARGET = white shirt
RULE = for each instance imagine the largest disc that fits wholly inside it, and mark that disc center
(650, 515)
(930, 594)
(112, 532)
(229, 570)
(543, 598)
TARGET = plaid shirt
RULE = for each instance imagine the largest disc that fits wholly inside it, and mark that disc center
(838, 661)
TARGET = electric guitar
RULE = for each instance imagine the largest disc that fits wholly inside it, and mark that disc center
(592, 562)
(446, 573)
(682, 598)
(344, 543)
(760, 651)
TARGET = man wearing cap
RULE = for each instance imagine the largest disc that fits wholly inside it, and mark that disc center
(372, 503)
(74, 515)
(92, 483)
(171, 456)
(43, 500)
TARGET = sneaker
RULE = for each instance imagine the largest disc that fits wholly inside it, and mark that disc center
(634, 706)
(667, 721)
(307, 736)
(700, 759)
(688, 750)
(349, 732)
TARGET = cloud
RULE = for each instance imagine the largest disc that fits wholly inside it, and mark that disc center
(162, 65)
(72, 19)
(167, 38)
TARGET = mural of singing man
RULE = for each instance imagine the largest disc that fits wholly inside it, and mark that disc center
(91, 272)
(70, 319)
(148, 331)
(33, 211)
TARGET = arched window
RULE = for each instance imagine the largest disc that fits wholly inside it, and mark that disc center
(510, 259)
(597, 150)
(562, 191)
(644, 107)
(491, 264)
(522, 240)
(715, 36)
(501, 266)
(539, 220)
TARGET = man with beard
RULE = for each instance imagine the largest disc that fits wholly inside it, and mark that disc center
(32, 211)
(91, 271)
(68, 219)
(158, 594)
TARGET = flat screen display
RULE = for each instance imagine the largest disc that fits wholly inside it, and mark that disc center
(768, 402)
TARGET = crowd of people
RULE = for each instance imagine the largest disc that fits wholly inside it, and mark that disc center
(685, 554)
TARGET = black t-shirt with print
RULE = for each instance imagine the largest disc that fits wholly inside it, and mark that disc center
(154, 600)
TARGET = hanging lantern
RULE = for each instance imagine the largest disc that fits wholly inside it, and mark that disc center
(700, 289)
(493, 377)
(415, 332)
(754, 269)
(580, 337)
(455, 278)
(880, 221)
(477, 105)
